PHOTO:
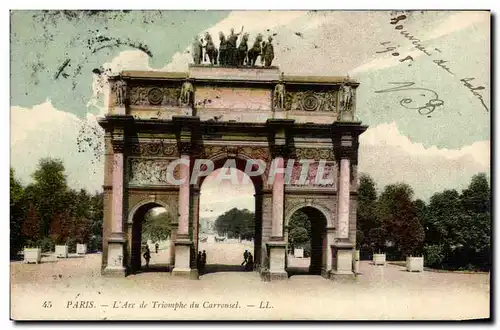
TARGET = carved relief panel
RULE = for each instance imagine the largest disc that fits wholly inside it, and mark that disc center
(151, 172)
(155, 96)
(155, 148)
(325, 100)
(314, 177)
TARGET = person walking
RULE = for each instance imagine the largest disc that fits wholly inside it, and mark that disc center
(156, 247)
(245, 257)
(249, 264)
(147, 256)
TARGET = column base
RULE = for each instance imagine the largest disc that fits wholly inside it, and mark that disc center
(343, 263)
(114, 272)
(114, 267)
(188, 273)
(277, 260)
(182, 267)
(268, 276)
(343, 277)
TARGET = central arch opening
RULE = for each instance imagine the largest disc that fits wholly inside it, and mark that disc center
(229, 220)
(307, 242)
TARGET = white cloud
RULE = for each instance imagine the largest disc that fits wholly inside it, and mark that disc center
(44, 131)
(390, 157)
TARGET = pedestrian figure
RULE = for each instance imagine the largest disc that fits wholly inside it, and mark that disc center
(198, 261)
(147, 256)
(249, 265)
(156, 247)
(203, 260)
(245, 257)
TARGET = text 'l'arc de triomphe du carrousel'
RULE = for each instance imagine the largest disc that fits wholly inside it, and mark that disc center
(231, 104)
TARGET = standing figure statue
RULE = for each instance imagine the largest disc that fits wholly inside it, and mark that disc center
(255, 51)
(222, 49)
(210, 49)
(279, 96)
(232, 54)
(187, 91)
(121, 92)
(268, 52)
(346, 101)
(197, 50)
(242, 50)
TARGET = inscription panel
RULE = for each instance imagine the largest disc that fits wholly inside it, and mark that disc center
(233, 98)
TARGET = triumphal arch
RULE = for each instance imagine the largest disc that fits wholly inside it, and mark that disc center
(234, 113)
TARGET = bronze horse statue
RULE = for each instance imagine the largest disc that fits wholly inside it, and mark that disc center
(210, 49)
(242, 50)
(255, 51)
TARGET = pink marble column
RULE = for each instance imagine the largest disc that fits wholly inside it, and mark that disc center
(278, 198)
(344, 196)
(117, 206)
(184, 196)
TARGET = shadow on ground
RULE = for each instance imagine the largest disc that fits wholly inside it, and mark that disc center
(219, 268)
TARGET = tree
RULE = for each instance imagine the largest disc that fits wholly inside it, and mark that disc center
(156, 227)
(16, 214)
(366, 217)
(30, 228)
(299, 219)
(236, 223)
(397, 216)
(50, 191)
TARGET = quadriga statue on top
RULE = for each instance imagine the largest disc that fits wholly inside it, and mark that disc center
(230, 53)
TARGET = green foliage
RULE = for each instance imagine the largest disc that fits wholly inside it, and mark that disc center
(47, 212)
(433, 255)
(236, 223)
(156, 227)
(16, 215)
(461, 224)
(298, 236)
(366, 217)
(46, 244)
(397, 216)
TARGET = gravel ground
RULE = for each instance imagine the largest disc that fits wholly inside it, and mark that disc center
(73, 289)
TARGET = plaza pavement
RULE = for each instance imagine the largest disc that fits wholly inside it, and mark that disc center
(379, 293)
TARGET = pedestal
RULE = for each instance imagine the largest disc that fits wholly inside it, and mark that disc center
(182, 266)
(277, 257)
(115, 256)
(343, 259)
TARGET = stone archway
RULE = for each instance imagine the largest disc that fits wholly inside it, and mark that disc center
(231, 113)
(220, 159)
(318, 218)
(134, 225)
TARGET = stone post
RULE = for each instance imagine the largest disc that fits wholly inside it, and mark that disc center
(183, 240)
(116, 240)
(342, 249)
(277, 244)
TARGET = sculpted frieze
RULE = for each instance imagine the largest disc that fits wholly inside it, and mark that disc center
(315, 153)
(314, 178)
(311, 101)
(149, 171)
(155, 96)
(156, 148)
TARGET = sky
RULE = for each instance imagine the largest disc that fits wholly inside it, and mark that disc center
(429, 55)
